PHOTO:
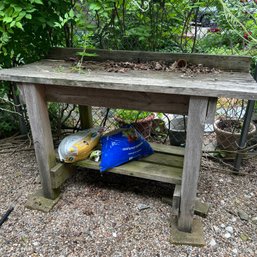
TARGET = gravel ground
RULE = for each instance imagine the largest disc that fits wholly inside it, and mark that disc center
(98, 215)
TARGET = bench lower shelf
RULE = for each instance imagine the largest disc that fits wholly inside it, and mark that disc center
(165, 165)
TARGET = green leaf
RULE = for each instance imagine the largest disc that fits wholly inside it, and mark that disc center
(38, 2)
(28, 16)
(71, 13)
(19, 25)
(12, 24)
(7, 19)
(94, 7)
(57, 25)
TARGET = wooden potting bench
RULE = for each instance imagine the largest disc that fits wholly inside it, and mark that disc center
(53, 80)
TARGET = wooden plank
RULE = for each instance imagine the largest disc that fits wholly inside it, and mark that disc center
(192, 161)
(225, 84)
(211, 111)
(119, 99)
(140, 169)
(60, 173)
(165, 159)
(176, 199)
(85, 114)
(42, 136)
(224, 62)
(168, 149)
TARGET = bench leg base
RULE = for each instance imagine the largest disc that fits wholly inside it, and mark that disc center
(38, 202)
(195, 238)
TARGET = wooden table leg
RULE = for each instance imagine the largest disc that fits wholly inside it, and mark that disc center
(42, 136)
(193, 152)
(86, 118)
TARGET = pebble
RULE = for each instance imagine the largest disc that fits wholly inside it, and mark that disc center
(229, 229)
(233, 219)
(247, 196)
(142, 207)
(216, 229)
(235, 251)
(114, 234)
(222, 225)
(227, 235)
(244, 237)
(212, 242)
(243, 215)
(254, 220)
(35, 243)
(222, 202)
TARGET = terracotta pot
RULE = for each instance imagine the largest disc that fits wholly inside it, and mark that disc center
(228, 140)
(143, 126)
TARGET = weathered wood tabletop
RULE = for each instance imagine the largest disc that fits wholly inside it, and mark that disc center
(56, 72)
(54, 79)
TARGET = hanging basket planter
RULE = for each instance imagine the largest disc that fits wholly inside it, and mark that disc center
(142, 125)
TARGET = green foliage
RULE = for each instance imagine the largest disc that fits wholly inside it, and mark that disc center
(125, 25)
(8, 121)
(161, 25)
(27, 30)
(130, 116)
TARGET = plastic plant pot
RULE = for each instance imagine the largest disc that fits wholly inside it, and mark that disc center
(177, 131)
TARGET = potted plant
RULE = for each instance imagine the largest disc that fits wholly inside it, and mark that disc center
(141, 120)
(228, 132)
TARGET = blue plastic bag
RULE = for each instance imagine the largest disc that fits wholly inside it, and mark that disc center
(121, 146)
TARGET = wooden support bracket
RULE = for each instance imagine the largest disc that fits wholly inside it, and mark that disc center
(60, 173)
(211, 110)
(176, 199)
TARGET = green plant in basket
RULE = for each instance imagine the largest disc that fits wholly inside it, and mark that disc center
(142, 121)
(131, 116)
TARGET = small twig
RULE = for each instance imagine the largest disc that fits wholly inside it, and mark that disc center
(225, 171)
(18, 150)
(230, 212)
(30, 141)
(10, 102)
(13, 112)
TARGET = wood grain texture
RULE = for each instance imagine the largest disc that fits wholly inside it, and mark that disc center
(168, 149)
(119, 99)
(140, 169)
(224, 62)
(60, 173)
(211, 110)
(165, 159)
(42, 136)
(192, 161)
(176, 200)
(85, 115)
(224, 84)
